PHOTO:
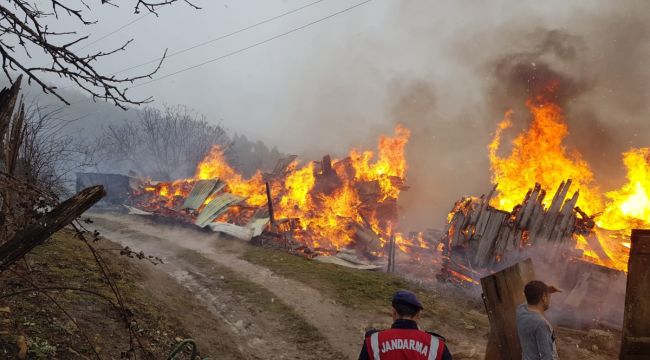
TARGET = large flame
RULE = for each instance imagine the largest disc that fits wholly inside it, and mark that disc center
(539, 156)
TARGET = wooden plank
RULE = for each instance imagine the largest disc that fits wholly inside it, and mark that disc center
(536, 218)
(565, 217)
(529, 207)
(502, 293)
(475, 213)
(552, 214)
(487, 242)
(636, 319)
(458, 229)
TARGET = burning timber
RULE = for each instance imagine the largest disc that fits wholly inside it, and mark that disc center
(479, 237)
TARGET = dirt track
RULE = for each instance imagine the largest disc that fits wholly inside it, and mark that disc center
(238, 309)
(181, 250)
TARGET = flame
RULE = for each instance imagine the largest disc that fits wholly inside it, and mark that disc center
(629, 206)
(298, 186)
(539, 156)
(215, 166)
(391, 163)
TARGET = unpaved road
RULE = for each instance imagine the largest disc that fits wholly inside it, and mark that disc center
(256, 335)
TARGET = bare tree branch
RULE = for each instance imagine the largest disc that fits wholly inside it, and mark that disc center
(23, 29)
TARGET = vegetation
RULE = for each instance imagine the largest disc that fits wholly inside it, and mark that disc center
(364, 290)
(81, 318)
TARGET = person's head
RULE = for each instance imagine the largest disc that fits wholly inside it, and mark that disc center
(406, 305)
(539, 294)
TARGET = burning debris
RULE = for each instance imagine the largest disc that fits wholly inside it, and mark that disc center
(479, 236)
(318, 208)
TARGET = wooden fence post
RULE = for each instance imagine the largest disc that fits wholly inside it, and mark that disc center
(502, 293)
(636, 319)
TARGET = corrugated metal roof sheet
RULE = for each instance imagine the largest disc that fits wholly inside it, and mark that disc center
(247, 232)
(216, 207)
(239, 232)
(201, 190)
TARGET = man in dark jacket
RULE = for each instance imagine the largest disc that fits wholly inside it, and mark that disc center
(404, 341)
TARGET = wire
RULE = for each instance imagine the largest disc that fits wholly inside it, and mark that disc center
(253, 45)
(114, 31)
(157, 60)
(220, 37)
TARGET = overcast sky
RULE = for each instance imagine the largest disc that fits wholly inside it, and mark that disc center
(341, 82)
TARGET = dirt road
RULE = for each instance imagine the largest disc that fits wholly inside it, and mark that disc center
(201, 262)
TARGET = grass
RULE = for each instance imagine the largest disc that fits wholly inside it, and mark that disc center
(65, 261)
(364, 290)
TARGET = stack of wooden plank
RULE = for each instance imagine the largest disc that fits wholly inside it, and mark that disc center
(479, 235)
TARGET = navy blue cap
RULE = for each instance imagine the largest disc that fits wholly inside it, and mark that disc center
(407, 298)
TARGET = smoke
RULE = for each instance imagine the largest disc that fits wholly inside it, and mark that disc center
(597, 54)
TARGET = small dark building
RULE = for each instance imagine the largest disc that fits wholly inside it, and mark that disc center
(118, 187)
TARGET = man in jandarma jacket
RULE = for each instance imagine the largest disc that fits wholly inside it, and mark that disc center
(404, 340)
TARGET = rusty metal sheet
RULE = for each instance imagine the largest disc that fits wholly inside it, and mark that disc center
(216, 207)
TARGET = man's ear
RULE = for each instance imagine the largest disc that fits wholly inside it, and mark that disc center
(394, 313)
(417, 316)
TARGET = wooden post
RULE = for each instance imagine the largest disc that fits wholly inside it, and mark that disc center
(502, 293)
(270, 205)
(327, 165)
(391, 255)
(636, 318)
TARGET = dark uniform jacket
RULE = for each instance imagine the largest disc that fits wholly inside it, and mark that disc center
(404, 341)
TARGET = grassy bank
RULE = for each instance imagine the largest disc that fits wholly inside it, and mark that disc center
(80, 320)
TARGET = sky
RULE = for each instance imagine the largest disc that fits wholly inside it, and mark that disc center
(429, 65)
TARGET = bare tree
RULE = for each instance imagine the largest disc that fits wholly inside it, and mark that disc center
(49, 152)
(40, 150)
(162, 144)
(23, 30)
